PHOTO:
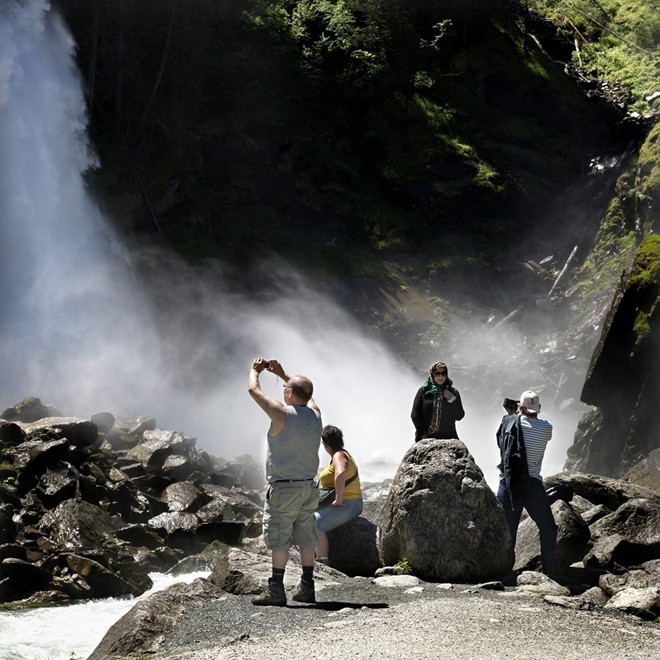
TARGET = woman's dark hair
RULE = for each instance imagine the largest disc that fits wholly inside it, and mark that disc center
(333, 437)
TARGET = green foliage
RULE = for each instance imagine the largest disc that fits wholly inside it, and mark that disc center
(645, 278)
(619, 41)
(404, 565)
(297, 126)
(614, 245)
(649, 166)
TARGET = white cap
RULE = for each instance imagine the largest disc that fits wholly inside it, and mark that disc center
(531, 401)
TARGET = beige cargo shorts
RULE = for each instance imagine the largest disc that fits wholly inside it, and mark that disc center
(289, 514)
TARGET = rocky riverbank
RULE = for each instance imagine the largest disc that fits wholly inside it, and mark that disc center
(398, 617)
(89, 507)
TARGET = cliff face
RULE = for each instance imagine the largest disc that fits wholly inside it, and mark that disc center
(623, 380)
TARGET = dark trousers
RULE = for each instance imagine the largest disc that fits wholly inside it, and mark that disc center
(533, 498)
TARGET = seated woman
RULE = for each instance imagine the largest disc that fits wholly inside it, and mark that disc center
(342, 475)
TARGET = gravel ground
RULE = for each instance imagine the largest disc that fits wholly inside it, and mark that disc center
(358, 619)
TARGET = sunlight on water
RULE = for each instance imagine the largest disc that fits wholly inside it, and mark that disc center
(56, 633)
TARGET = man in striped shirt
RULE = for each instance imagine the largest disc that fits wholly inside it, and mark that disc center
(530, 494)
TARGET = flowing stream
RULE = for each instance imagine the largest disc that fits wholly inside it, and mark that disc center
(69, 632)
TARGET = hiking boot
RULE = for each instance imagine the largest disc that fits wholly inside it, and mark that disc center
(274, 594)
(304, 592)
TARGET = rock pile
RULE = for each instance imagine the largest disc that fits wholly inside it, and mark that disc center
(89, 507)
(444, 521)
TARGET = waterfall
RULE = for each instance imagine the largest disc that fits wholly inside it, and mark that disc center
(72, 319)
(81, 332)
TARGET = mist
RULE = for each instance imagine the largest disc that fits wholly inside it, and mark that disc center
(89, 324)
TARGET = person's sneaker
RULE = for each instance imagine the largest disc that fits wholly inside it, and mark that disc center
(304, 593)
(274, 594)
(323, 560)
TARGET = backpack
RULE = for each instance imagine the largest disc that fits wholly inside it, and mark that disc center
(511, 442)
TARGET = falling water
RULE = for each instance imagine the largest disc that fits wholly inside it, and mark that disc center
(68, 298)
(82, 333)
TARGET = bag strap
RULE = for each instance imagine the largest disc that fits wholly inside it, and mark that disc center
(355, 476)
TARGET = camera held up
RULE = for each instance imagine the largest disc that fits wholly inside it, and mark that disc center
(510, 405)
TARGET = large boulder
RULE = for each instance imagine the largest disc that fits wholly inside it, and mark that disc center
(28, 410)
(79, 432)
(443, 518)
(597, 489)
(647, 472)
(627, 537)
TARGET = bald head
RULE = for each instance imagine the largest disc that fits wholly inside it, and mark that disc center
(301, 388)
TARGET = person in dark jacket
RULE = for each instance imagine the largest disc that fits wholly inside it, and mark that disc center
(437, 406)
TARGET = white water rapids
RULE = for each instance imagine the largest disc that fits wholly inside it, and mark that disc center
(69, 632)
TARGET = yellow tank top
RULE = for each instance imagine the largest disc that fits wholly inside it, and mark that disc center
(353, 491)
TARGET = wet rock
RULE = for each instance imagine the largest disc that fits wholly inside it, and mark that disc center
(243, 470)
(77, 524)
(178, 467)
(441, 515)
(23, 572)
(11, 434)
(103, 421)
(139, 535)
(174, 522)
(182, 496)
(178, 442)
(135, 426)
(128, 503)
(151, 454)
(79, 432)
(103, 583)
(55, 486)
(9, 496)
(33, 457)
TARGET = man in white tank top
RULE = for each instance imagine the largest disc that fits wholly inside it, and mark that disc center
(292, 461)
